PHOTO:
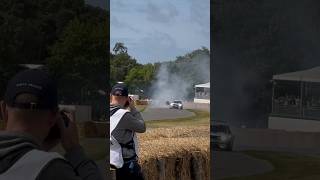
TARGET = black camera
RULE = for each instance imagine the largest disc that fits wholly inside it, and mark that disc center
(55, 130)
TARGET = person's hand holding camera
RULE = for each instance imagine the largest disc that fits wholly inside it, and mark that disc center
(69, 131)
(131, 103)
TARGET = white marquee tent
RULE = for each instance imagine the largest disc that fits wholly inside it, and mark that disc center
(202, 93)
(302, 116)
(309, 75)
(206, 85)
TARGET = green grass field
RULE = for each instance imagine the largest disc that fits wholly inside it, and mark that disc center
(141, 108)
(200, 118)
(287, 166)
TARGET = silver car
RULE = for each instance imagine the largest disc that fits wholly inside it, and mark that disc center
(221, 137)
(176, 105)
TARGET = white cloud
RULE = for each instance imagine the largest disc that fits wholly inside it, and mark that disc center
(156, 30)
(116, 23)
(160, 12)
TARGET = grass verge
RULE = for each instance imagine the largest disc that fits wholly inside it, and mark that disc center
(201, 118)
(287, 166)
(141, 108)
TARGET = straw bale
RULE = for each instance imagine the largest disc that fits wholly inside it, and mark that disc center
(175, 153)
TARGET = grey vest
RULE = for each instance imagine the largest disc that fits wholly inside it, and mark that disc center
(29, 166)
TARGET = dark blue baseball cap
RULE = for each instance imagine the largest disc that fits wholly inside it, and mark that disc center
(34, 82)
(120, 89)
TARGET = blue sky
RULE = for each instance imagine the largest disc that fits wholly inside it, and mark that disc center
(99, 3)
(160, 30)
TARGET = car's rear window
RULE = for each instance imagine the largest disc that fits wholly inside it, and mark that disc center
(177, 102)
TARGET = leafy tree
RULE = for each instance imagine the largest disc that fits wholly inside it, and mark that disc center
(27, 29)
(120, 48)
(140, 78)
(79, 60)
(120, 65)
(81, 50)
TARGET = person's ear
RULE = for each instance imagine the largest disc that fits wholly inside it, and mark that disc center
(4, 112)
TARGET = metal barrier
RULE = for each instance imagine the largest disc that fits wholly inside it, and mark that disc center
(296, 111)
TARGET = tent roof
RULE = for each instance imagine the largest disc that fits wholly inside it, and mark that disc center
(206, 85)
(32, 66)
(309, 75)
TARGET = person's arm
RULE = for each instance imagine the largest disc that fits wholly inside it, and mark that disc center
(135, 113)
(133, 121)
(77, 165)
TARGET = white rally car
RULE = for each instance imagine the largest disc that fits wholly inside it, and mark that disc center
(176, 105)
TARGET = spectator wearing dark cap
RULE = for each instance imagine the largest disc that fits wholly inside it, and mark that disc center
(125, 122)
(34, 125)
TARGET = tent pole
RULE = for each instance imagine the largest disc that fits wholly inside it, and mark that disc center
(272, 99)
(301, 94)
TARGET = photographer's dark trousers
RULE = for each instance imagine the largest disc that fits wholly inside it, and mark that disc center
(130, 170)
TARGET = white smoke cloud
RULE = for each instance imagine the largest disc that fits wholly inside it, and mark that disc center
(176, 85)
(168, 87)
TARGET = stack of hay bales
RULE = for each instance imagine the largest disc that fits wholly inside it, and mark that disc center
(175, 153)
(141, 102)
